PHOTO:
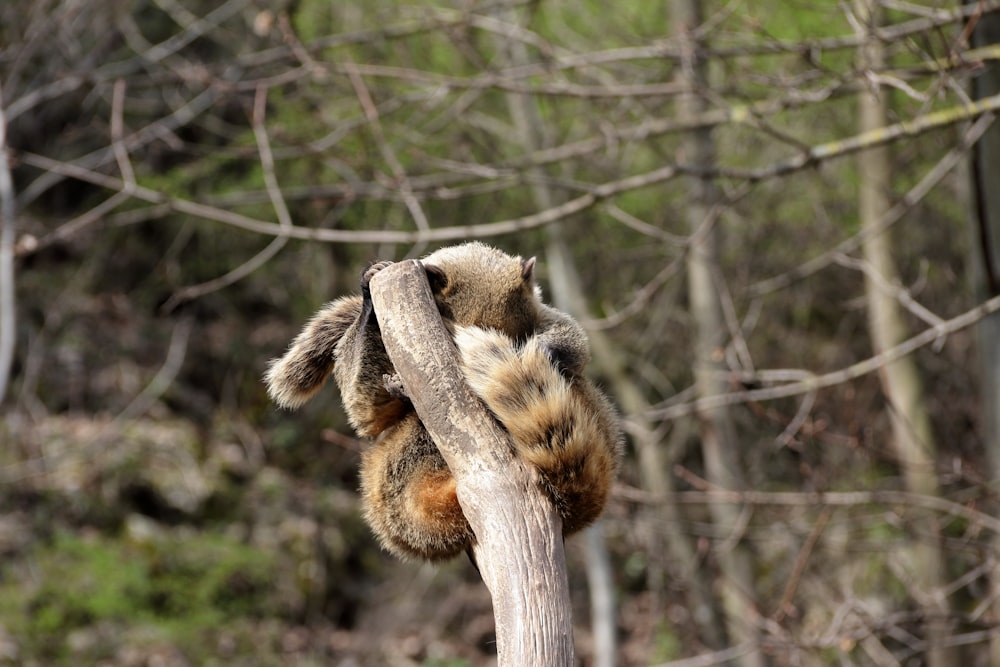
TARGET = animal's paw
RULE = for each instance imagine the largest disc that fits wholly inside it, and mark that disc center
(370, 272)
(394, 386)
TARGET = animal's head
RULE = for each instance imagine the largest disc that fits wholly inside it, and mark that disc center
(476, 284)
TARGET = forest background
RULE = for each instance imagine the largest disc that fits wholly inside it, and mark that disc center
(778, 221)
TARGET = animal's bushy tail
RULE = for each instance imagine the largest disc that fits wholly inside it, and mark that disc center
(561, 425)
(303, 370)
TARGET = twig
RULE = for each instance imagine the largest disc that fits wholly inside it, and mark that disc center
(405, 189)
(878, 137)
(176, 352)
(833, 378)
(593, 196)
(132, 65)
(117, 123)
(893, 215)
(799, 566)
(709, 494)
(642, 297)
(80, 222)
(892, 289)
(178, 118)
(713, 658)
(280, 208)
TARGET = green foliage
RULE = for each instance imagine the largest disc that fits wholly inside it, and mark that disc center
(183, 585)
(666, 644)
(83, 581)
(312, 19)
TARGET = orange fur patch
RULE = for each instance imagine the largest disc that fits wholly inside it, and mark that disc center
(437, 498)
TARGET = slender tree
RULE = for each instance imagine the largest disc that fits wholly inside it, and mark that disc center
(912, 435)
(986, 249)
(719, 444)
(666, 522)
(7, 212)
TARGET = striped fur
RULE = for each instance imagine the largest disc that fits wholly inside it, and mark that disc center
(561, 425)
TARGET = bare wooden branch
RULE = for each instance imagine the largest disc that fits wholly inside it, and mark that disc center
(707, 494)
(519, 544)
(855, 370)
(934, 176)
(583, 202)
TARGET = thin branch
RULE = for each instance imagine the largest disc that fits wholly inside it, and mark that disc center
(799, 565)
(117, 145)
(877, 137)
(950, 160)
(426, 22)
(405, 189)
(641, 298)
(713, 658)
(892, 289)
(854, 371)
(161, 129)
(176, 351)
(708, 494)
(77, 224)
(280, 208)
(132, 65)
(787, 436)
(643, 227)
(594, 195)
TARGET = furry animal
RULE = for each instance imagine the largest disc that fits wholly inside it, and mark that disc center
(524, 359)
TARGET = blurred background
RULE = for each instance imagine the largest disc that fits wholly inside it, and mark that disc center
(778, 221)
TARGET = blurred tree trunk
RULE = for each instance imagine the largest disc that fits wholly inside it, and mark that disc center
(8, 331)
(720, 448)
(912, 434)
(667, 536)
(986, 245)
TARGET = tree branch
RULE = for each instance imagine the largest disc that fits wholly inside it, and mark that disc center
(856, 370)
(591, 196)
(519, 544)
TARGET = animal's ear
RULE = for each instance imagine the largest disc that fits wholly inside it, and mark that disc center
(436, 277)
(528, 269)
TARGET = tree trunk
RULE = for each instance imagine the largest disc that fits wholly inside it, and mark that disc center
(720, 448)
(912, 435)
(519, 542)
(986, 247)
(8, 331)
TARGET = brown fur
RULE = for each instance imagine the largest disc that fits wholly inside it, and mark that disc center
(524, 359)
